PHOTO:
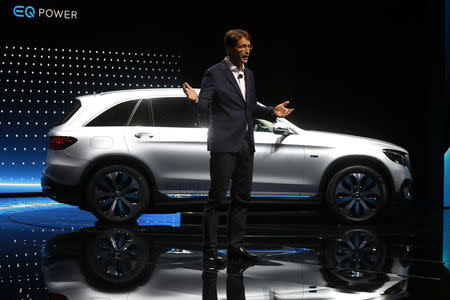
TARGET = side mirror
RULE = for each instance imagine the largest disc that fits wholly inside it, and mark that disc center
(281, 128)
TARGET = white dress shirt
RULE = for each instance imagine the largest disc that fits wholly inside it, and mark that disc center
(238, 74)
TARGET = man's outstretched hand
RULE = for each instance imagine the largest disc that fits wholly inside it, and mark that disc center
(190, 92)
(281, 111)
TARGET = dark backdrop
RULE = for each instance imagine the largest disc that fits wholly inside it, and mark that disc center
(373, 69)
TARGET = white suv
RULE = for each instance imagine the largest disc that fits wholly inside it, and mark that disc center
(120, 154)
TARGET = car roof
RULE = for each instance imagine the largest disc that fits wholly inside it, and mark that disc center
(113, 97)
(94, 104)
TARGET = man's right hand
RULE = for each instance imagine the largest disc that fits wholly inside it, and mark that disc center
(190, 92)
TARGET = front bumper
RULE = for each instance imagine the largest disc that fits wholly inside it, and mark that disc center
(405, 192)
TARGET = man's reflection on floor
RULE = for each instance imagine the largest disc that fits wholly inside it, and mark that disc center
(209, 277)
(235, 280)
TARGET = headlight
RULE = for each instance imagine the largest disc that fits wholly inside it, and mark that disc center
(397, 157)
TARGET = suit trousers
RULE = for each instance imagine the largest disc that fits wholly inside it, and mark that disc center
(236, 167)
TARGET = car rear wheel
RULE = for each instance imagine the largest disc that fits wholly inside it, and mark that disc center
(356, 194)
(117, 194)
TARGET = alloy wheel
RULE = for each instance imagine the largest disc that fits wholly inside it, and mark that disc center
(357, 195)
(118, 194)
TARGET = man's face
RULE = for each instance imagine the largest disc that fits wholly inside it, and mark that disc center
(241, 51)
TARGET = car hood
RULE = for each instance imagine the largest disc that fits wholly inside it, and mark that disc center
(339, 138)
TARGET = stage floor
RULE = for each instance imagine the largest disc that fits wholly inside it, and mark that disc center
(55, 251)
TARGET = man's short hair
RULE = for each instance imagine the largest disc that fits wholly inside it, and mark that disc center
(233, 36)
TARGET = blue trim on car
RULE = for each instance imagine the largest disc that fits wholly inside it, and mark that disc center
(253, 196)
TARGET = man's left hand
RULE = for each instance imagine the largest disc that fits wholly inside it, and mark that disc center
(281, 111)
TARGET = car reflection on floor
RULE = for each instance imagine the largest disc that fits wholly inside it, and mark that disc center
(165, 262)
(55, 251)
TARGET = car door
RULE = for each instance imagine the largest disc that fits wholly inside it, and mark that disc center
(164, 133)
(278, 163)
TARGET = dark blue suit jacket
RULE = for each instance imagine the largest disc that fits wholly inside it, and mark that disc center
(229, 113)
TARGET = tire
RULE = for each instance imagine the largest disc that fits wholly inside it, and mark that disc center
(356, 194)
(117, 260)
(356, 259)
(117, 194)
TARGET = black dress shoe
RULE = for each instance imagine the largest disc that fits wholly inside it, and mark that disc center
(211, 258)
(241, 253)
(239, 266)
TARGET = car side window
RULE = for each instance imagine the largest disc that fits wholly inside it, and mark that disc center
(142, 115)
(262, 125)
(117, 115)
(174, 112)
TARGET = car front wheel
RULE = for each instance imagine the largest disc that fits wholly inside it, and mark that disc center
(356, 194)
(117, 194)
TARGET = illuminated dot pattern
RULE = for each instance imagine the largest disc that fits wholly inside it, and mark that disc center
(38, 85)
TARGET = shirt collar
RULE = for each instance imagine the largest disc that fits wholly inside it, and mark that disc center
(232, 67)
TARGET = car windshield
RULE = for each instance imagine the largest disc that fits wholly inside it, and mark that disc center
(262, 125)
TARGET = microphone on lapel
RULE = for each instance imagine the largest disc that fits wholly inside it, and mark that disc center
(240, 76)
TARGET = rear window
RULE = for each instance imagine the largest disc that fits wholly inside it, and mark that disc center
(117, 115)
(75, 106)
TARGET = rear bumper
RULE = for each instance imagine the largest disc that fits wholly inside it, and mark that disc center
(61, 193)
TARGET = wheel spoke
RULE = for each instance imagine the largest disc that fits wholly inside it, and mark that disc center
(356, 241)
(134, 197)
(113, 178)
(365, 209)
(131, 207)
(112, 241)
(357, 212)
(112, 207)
(343, 189)
(342, 249)
(105, 246)
(121, 179)
(348, 183)
(368, 183)
(350, 244)
(363, 244)
(372, 200)
(132, 185)
(121, 208)
(358, 178)
(344, 199)
(105, 202)
(349, 206)
(127, 245)
(106, 185)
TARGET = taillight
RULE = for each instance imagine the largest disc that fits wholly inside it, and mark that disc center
(61, 142)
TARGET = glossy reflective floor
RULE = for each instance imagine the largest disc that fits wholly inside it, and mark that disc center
(55, 251)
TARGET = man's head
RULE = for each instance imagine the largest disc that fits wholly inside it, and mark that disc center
(238, 46)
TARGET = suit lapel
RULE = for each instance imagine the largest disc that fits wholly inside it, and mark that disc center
(229, 75)
(246, 83)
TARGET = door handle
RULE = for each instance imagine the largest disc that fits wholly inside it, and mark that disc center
(143, 135)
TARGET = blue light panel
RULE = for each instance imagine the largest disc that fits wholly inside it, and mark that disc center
(42, 210)
(446, 238)
(446, 202)
(447, 179)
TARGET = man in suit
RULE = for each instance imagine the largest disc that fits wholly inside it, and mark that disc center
(228, 93)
